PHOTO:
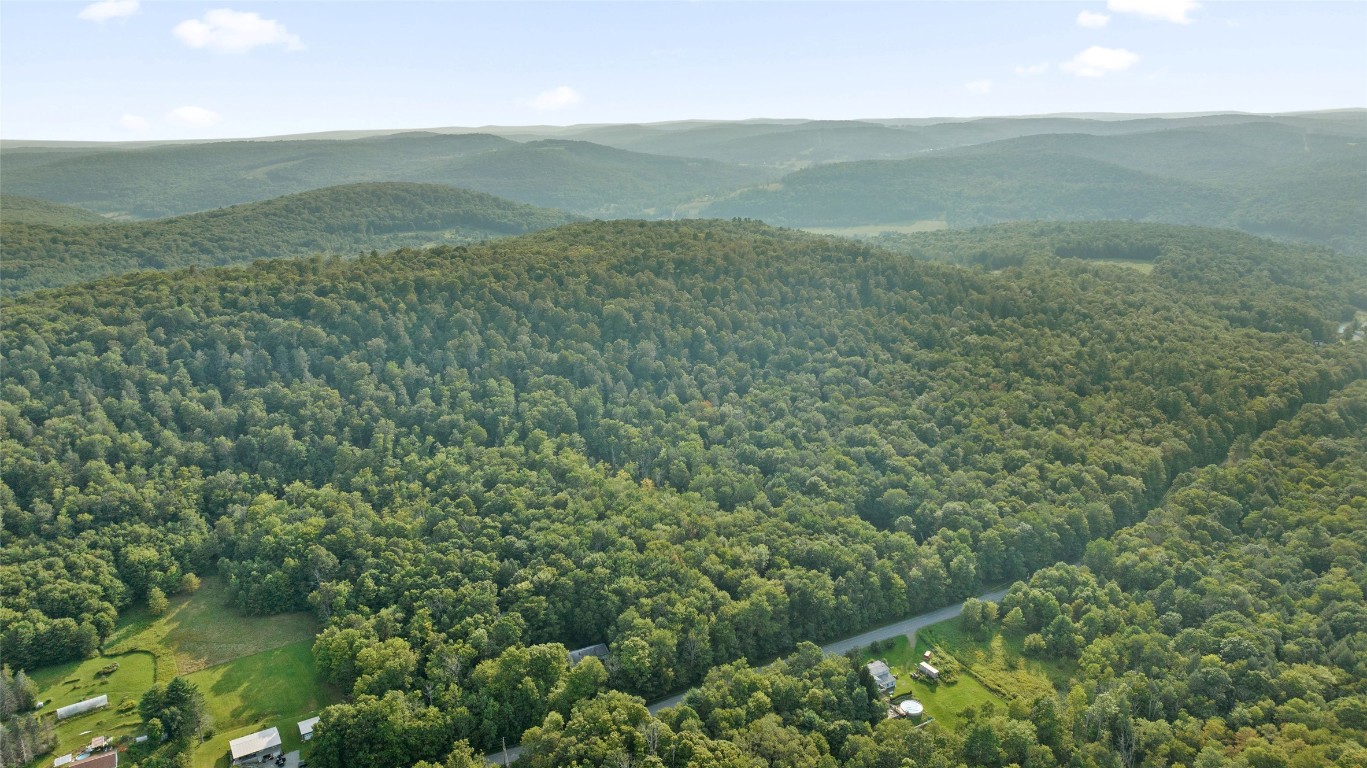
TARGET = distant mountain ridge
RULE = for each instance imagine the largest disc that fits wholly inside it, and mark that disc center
(341, 220)
(169, 180)
(1266, 178)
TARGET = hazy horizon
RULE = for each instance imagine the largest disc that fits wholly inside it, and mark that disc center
(120, 70)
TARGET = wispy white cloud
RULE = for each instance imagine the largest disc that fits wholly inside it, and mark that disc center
(134, 123)
(1098, 62)
(232, 31)
(1032, 70)
(556, 98)
(1176, 11)
(193, 117)
(1092, 20)
(979, 86)
(108, 9)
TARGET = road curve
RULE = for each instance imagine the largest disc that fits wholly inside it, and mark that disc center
(908, 627)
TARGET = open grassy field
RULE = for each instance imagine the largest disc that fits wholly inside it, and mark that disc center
(999, 661)
(945, 702)
(254, 672)
(873, 230)
(1143, 267)
(202, 630)
(277, 688)
(79, 680)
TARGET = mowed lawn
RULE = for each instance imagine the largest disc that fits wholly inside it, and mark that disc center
(77, 681)
(254, 672)
(945, 702)
(203, 630)
(277, 688)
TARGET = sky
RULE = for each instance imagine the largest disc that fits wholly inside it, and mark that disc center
(124, 70)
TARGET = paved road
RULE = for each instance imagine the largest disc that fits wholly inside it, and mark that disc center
(908, 627)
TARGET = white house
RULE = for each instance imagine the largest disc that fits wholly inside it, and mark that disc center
(882, 675)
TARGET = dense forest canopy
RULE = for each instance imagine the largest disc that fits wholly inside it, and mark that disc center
(697, 442)
(344, 220)
(28, 210)
(1296, 282)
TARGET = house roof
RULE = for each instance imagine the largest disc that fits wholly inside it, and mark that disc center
(579, 654)
(254, 742)
(306, 726)
(881, 674)
(107, 760)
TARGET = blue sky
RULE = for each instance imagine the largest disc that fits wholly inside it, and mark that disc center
(124, 70)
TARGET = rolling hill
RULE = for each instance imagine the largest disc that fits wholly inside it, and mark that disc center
(1266, 178)
(31, 210)
(340, 220)
(171, 180)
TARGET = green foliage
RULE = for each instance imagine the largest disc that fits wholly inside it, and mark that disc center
(157, 602)
(1225, 622)
(675, 438)
(345, 220)
(15, 209)
(178, 706)
(1259, 176)
(175, 179)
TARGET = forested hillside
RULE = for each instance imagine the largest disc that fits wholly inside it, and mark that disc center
(697, 442)
(1264, 178)
(1229, 627)
(169, 180)
(28, 210)
(1283, 286)
(342, 220)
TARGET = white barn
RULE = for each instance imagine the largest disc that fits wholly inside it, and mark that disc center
(81, 707)
(255, 745)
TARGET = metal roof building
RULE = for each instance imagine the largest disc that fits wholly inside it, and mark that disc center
(254, 745)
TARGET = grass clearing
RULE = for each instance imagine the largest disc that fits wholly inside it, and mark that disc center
(874, 230)
(254, 672)
(202, 630)
(1142, 267)
(943, 701)
(1000, 661)
(80, 680)
(277, 688)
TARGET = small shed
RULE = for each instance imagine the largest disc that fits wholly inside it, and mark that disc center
(882, 675)
(599, 651)
(928, 671)
(81, 707)
(255, 745)
(306, 728)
